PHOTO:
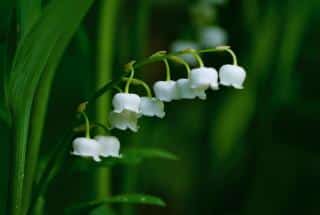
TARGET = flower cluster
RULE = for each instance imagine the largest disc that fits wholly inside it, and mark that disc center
(129, 107)
(99, 146)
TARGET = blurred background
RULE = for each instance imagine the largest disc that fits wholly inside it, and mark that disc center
(252, 151)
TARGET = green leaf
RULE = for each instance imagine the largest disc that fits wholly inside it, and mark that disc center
(29, 11)
(124, 198)
(37, 56)
(148, 153)
(102, 210)
(136, 199)
(130, 157)
(4, 115)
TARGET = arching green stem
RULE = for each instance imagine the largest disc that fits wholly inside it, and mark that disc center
(129, 80)
(229, 50)
(97, 124)
(84, 115)
(183, 62)
(168, 74)
(234, 57)
(142, 83)
(198, 58)
(150, 60)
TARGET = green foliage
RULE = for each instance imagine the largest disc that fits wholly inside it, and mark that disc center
(129, 157)
(4, 115)
(29, 12)
(36, 59)
(124, 198)
(259, 138)
(102, 210)
(238, 108)
(139, 154)
(108, 16)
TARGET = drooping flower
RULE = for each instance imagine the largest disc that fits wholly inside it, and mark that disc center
(186, 92)
(232, 75)
(181, 45)
(124, 120)
(86, 147)
(213, 36)
(126, 101)
(204, 77)
(109, 146)
(152, 107)
(166, 90)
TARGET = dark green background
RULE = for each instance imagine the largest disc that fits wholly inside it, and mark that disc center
(249, 152)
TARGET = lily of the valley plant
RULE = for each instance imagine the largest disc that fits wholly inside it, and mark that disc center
(128, 107)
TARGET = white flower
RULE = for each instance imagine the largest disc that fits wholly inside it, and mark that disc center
(213, 36)
(186, 92)
(124, 120)
(109, 146)
(152, 107)
(126, 101)
(181, 45)
(232, 75)
(86, 147)
(166, 90)
(203, 77)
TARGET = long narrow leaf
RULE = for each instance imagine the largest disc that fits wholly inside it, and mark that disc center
(32, 56)
(124, 198)
(29, 11)
(129, 157)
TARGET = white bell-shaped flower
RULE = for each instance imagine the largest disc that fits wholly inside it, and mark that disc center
(204, 77)
(181, 45)
(212, 37)
(126, 101)
(232, 75)
(166, 90)
(86, 147)
(186, 92)
(109, 146)
(152, 107)
(124, 120)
